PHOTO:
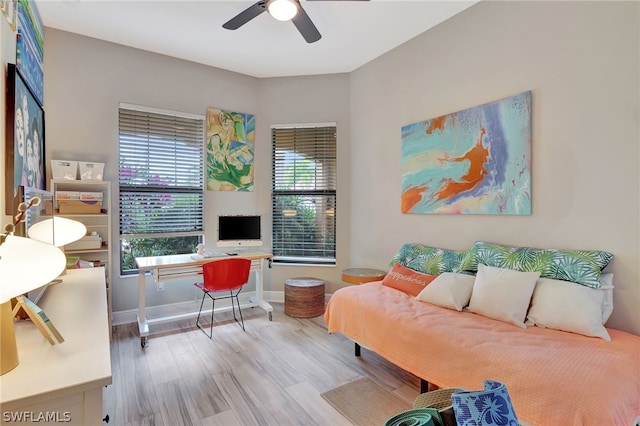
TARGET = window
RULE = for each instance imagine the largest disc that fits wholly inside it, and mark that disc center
(161, 179)
(304, 194)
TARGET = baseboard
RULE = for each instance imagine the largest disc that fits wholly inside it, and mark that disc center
(131, 316)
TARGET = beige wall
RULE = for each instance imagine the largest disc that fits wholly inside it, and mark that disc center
(317, 99)
(580, 60)
(85, 79)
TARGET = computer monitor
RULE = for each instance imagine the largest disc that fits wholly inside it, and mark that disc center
(239, 231)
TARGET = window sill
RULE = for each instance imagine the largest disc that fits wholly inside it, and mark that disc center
(288, 261)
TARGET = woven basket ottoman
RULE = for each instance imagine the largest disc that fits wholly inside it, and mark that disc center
(304, 297)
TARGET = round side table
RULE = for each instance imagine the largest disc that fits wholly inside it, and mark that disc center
(362, 275)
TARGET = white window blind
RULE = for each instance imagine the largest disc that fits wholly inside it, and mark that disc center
(161, 176)
(304, 194)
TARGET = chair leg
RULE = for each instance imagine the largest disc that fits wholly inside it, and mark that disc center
(233, 307)
(198, 319)
(213, 308)
(213, 303)
(239, 310)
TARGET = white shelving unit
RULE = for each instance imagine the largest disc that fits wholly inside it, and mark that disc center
(95, 222)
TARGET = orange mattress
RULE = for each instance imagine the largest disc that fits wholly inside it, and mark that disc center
(553, 377)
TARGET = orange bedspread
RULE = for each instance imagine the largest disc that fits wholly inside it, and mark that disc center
(553, 377)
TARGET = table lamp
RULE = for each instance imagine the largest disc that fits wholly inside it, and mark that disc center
(58, 231)
(25, 264)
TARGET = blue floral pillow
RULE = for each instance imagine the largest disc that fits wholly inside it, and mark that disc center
(429, 260)
(579, 266)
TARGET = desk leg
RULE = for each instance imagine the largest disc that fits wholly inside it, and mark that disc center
(143, 327)
(259, 297)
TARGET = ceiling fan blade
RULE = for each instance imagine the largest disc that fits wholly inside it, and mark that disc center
(245, 16)
(306, 27)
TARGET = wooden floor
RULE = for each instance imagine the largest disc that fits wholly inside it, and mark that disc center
(272, 374)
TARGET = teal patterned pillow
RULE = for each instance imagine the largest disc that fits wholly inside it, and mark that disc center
(579, 266)
(429, 260)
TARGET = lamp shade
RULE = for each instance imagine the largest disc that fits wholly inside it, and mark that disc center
(26, 264)
(58, 231)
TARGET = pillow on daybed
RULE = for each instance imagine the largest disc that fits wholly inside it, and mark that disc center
(502, 294)
(429, 260)
(567, 306)
(579, 266)
(449, 290)
(407, 280)
(606, 284)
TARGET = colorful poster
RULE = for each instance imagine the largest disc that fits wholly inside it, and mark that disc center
(475, 161)
(24, 165)
(30, 48)
(230, 147)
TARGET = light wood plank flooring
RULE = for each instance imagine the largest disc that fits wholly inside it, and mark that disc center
(272, 374)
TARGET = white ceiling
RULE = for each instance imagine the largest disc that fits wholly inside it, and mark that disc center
(353, 32)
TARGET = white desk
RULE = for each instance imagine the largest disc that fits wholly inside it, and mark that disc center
(184, 266)
(64, 379)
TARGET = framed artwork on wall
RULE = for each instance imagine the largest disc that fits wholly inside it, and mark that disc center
(474, 161)
(24, 124)
(30, 48)
(229, 149)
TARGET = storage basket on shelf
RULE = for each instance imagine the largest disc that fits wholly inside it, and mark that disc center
(76, 202)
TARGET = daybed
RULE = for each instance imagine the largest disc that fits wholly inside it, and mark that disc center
(553, 377)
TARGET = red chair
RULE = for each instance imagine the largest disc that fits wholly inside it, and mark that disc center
(227, 274)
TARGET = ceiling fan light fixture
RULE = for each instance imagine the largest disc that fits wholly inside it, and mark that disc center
(282, 10)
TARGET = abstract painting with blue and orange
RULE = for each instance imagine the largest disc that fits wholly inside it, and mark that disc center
(474, 161)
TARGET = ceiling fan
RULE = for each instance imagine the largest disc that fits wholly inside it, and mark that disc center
(282, 10)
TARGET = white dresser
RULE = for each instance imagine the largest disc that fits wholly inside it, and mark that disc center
(62, 383)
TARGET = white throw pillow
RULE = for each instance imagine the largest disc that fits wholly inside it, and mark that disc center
(449, 290)
(568, 306)
(502, 294)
